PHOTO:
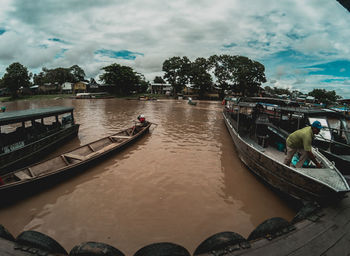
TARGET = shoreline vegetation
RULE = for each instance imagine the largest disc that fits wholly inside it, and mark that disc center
(65, 96)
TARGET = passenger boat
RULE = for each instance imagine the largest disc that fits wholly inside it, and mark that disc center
(26, 135)
(334, 139)
(260, 145)
(68, 163)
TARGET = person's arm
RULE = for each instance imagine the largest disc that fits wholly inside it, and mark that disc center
(313, 159)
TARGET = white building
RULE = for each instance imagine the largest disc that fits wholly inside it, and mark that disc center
(67, 87)
(158, 88)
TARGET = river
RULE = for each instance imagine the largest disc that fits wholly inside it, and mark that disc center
(181, 183)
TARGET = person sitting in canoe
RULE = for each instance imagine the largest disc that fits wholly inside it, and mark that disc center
(300, 141)
(142, 120)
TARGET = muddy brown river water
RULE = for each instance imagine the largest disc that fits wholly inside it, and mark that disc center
(181, 183)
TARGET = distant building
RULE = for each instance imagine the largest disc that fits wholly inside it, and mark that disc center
(158, 88)
(48, 88)
(34, 89)
(310, 99)
(67, 87)
(79, 87)
(4, 92)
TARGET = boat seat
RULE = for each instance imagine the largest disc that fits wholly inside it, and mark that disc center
(22, 175)
(120, 137)
(77, 157)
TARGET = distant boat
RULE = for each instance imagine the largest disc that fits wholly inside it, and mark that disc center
(147, 98)
(26, 135)
(191, 102)
(93, 95)
(68, 163)
(260, 146)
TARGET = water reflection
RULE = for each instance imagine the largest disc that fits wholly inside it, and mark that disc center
(181, 183)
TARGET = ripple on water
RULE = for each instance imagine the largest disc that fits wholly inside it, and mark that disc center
(181, 183)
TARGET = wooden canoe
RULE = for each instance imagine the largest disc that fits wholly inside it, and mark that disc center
(68, 163)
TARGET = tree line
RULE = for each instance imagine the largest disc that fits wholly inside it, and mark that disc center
(224, 73)
(123, 80)
(238, 74)
(321, 95)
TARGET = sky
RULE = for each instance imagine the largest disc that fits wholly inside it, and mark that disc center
(303, 44)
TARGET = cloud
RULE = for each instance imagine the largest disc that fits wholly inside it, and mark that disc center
(286, 36)
(123, 54)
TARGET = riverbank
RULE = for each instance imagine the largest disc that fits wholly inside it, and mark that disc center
(36, 97)
(64, 96)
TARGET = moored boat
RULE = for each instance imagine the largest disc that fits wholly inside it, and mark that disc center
(191, 102)
(334, 139)
(26, 135)
(68, 163)
(260, 145)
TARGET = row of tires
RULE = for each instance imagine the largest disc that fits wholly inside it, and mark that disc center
(219, 244)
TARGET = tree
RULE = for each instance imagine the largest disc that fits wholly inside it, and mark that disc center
(200, 76)
(16, 76)
(177, 72)
(323, 96)
(77, 72)
(142, 84)
(248, 75)
(238, 73)
(221, 66)
(123, 78)
(277, 90)
(2, 85)
(54, 76)
(159, 80)
(59, 75)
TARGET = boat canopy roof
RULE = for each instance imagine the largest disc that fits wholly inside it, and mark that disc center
(314, 111)
(30, 114)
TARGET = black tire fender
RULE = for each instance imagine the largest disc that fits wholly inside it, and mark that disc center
(220, 241)
(41, 241)
(162, 249)
(4, 233)
(95, 249)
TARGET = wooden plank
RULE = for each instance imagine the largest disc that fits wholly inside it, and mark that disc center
(22, 175)
(77, 157)
(31, 172)
(64, 159)
(90, 147)
(329, 235)
(342, 247)
(120, 137)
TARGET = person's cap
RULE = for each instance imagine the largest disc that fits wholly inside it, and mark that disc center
(317, 125)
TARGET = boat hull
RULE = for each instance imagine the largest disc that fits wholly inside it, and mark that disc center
(342, 162)
(31, 152)
(278, 175)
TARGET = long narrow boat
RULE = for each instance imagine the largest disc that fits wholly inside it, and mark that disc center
(26, 135)
(69, 162)
(334, 139)
(261, 147)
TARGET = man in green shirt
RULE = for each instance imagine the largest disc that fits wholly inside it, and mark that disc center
(300, 141)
